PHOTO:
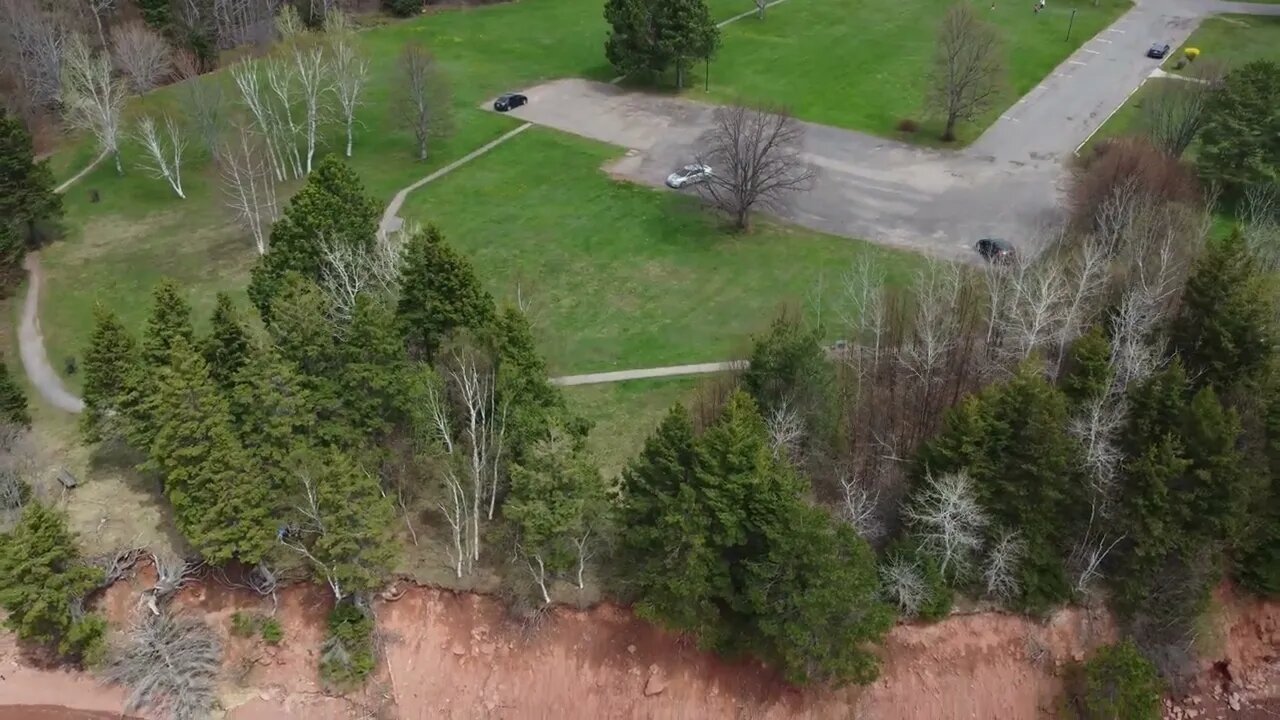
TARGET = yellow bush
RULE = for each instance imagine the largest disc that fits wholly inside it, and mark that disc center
(1192, 53)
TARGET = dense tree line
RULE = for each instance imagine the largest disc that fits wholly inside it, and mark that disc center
(28, 203)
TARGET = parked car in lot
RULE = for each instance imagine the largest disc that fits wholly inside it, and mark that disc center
(509, 101)
(1158, 51)
(995, 250)
(688, 175)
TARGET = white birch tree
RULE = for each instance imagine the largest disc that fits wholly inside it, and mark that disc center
(350, 71)
(249, 185)
(163, 150)
(92, 98)
(946, 516)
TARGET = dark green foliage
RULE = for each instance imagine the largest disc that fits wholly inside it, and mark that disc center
(355, 550)
(370, 385)
(347, 657)
(789, 365)
(110, 365)
(12, 251)
(1224, 331)
(1088, 373)
(439, 294)
(272, 633)
(1240, 139)
(170, 320)
(13, 401)
(533, 404)
(331, 207)
(26, 190)
(648, 37)
(226, 348)
(42, 578)
(1118, 683)
(1013, 441)
(1259, 562)
(272, 411)
(301, 328)
(155, 12)
(718, 541)
(220, 503)
(402, 8)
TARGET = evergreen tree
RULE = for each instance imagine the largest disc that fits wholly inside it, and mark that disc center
(1088, 373)
(170, 320)
(110, 364)
(648, 37)
(13, 401)
(226, 348)
(220, 504)
(302, 329)
(1224, 331)
(272, 410)
(1240, 138)
(533, 403)
(370, 385)
(331, 207)
(1259, 563)
(789, 365)
(1215, 494)
(156, 13)
(352, 544)
(439, 293)
(558, 498)
(42, 578)
(1120, 684)
(26, 187)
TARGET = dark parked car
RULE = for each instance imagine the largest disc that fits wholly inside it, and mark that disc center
(509, 101)
(1158, 51)
(995, 250)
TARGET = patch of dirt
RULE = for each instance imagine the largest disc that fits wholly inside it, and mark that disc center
(462, 655)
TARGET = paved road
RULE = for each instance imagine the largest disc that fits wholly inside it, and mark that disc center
(1006, 184)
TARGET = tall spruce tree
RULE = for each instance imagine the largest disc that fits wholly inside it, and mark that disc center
(332, 207)
(648, 37)
(226, 347)
(13, 401)
(533, 403)
(1088, 373)
(370, 384)
(26, 187)
(110, 366)
(272, 411)
(439, 293)
(42, 578)
(221, 505)
(170, 320)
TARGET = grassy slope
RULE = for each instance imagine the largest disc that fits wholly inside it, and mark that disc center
(623, 276)
(624, 414)
(863, 64)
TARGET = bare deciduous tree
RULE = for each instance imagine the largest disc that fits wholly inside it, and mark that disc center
(169, 664)
(1173, 113)
(350, 70)
(422, 96)
(34, 43)
(786, 431)
(902, 583)
(100, 10)
(755, 157)
(20, 460)
(969, 68)
(141, 54)
(348, 271)
(164, 150)
(949, 520)
(860, 507)
(92, 98)
(311, 68)
(205, 105)
(1001, 571)
(250, 184)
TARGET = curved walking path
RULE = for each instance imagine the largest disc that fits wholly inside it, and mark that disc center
(646, 373)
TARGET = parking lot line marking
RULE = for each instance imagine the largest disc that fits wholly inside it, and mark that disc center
(1093, 52)
(1077, 62)
(1115, 30)
(1102, 40)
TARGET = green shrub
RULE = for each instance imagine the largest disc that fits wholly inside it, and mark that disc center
(347, 654)
(402, 8)
(243, 624)
(87, 640)
(272, 633)
(1117, 683)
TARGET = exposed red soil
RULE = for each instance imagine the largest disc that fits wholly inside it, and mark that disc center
(461, 656)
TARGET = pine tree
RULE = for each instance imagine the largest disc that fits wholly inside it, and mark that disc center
(533, 403)
(13, 401)
(220, 504)
(1224, 331)
(1218, 489)
(170, 320)
(26, 187)
(226, 348)
(1240, 139)
(439, 293)
(352, 544)
(331, 207)
(42, 578)
(789, 365)
(110, 365)
(370, 384)
(156, 13)
(1088, 374)
(650, 36)
(1120, 683)
(272, 411)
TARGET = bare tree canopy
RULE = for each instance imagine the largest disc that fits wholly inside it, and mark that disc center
(422, 95)
(755, 159)
(164, 148)
(250, 184)
(141, 54)
(350, 69)
(31, 45)
(969, 68)
(1174, 111)
(168, 663)
(92, 98)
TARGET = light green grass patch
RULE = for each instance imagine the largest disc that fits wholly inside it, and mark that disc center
(863, 64)
(622, 276)
(1232, 39)
(624, 414)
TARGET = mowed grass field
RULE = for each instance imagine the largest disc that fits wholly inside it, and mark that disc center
(864, 64)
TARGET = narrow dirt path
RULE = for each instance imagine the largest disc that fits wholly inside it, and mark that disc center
(646, 373)
(31, 345)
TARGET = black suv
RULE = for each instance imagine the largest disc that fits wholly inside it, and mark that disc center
(1157, 51)
(509, 101)
(995, 250)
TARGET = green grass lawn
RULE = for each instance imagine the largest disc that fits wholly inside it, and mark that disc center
(1233, 39)
(622, 276)
(863, 64)
(624, 414)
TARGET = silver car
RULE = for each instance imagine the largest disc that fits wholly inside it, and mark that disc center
(688, 175)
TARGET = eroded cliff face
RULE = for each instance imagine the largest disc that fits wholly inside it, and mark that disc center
(461, 656)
